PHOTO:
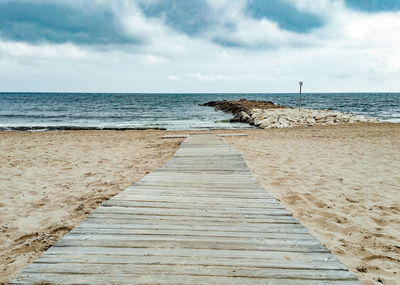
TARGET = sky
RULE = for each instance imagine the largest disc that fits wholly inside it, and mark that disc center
(199, 45)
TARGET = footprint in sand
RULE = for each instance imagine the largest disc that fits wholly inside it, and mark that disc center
(24, 238)
(62, 229)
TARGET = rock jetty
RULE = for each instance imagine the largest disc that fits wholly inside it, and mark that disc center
(267, 115)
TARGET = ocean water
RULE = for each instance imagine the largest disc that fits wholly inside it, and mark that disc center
(168, 111)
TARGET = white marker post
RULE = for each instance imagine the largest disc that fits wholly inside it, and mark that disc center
(301, 85)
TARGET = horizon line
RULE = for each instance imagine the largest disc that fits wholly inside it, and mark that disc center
(182, 93)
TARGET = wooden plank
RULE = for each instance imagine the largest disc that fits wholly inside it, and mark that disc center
(265, 240)
(127, 269)
(245, 174)
(213, 193)
(199, 222)
(201, 218)
(179, 232)
(191, 212)
(232, 135)
(190, 219)
(199, 210)
(180, 205)
(174, 136)
(191, 199)
(278, 256)
(178, 260)
(205, 184)
(185, 243)
(203, 187)
(51, 278)
(288, 229)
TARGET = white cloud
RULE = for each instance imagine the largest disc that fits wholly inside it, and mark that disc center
(48, 51)
(198, 76)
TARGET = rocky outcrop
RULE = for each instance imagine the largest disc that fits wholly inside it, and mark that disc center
(242, 105)
(267, 115)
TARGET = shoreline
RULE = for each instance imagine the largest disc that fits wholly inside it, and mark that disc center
(78, 128)
(72, 128)
(54, 179)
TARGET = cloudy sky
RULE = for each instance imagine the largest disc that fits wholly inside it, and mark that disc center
(199, 45)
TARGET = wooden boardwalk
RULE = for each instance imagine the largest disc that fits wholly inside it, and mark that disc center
(200, 219)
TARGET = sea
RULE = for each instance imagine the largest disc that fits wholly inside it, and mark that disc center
(61, 111)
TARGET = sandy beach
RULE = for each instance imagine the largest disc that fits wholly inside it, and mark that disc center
(342, 182)
(51, 180)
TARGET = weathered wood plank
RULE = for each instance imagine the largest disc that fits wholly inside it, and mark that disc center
(232, 135)
(180, 205)
(188, 260)
(174, 136)
(288, 229)
(179, 232)
(205, 184)
(205, 270)
(190, 219)
(277, 256)
(51, 278)
(206, 194)
(131, 202)
(192, 212)
(190, 199)
(194, 244)
(189, 222)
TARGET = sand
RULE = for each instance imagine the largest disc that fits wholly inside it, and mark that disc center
(50, 181)
(343, 183)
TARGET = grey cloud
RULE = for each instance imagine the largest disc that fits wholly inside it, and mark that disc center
(191, 17)
(45, 21)
(373, 6)
(284, 14)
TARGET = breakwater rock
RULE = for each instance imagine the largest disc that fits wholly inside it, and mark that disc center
(267, 115)
(242, 105)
